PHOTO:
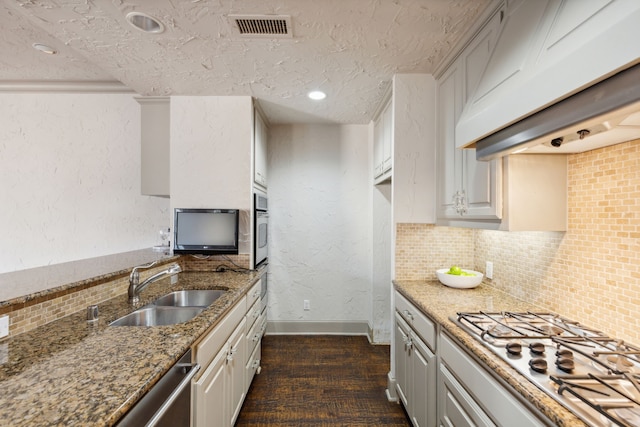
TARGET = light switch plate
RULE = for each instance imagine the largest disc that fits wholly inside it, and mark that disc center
(4, 326)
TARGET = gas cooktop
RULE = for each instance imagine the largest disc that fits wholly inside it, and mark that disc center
(591, 374)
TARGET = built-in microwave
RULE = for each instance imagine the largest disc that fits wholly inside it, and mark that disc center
(261, 233)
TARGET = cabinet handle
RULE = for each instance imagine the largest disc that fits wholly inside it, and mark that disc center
(460, 202)
(232, 351)
(408, 345)
(408, 314)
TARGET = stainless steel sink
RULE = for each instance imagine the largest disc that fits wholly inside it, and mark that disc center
(190, 298)
(152, 315)
(171, 309)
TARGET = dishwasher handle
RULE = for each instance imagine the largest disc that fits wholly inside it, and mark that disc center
(186, 381)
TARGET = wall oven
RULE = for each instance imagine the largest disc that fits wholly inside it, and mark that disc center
(261, 234)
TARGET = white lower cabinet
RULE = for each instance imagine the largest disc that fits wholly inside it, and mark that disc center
(415, 363)
(209, 394)
(220, 391)
(469, 396)
(230, 357)
(440, 384)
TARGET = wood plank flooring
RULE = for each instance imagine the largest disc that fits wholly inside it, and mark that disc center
(321, 381)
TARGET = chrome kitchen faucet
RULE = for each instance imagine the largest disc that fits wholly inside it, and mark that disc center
(134, 278)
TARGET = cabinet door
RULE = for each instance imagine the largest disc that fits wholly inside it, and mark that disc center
(155, 145)
(457, 408)
(236, 361)
(260, 150)
(423, 392)
(387, 141)
(210, 401)
(482, 187)
(449, 158)
(378, 147)
(402, 343)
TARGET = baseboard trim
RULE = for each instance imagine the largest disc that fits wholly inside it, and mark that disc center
(318, 328)
(392, 395)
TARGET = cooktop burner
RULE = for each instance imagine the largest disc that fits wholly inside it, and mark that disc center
(594, 376)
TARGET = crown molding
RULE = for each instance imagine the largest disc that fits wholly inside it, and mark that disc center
(59, 86)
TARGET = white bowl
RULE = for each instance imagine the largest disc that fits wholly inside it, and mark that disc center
(463, 282)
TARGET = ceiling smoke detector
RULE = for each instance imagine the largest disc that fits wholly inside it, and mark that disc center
(263, 26)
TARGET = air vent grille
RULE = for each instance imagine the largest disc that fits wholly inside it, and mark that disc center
(264, 26)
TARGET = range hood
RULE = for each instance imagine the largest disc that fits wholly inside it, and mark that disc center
(604, 114)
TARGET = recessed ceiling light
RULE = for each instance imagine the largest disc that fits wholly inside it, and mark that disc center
(44, 48)
(317, 95)
(144, 22)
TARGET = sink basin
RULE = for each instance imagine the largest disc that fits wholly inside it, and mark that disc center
(171, 309)
(190, 298)
(151, 315)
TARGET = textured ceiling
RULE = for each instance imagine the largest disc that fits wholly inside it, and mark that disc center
(348, 48)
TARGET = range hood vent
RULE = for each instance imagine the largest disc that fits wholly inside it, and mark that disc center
(263, 26)
(594, 109)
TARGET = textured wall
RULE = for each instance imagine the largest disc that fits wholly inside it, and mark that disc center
(591, 272)
(211, 156)
(70, 179)
(320, 223)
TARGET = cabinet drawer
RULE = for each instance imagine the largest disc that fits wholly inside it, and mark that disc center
(213, 342)
(253, 314)
(254, 335)
(417, 320)
(253, 365)
(457, 408)
(253, 294)
(492, 396)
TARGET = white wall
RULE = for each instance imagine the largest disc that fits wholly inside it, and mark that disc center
(211, 139)
(70, 179)
(320, 223)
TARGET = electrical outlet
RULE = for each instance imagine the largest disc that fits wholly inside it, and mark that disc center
(488, 271)
(307, 305)
(4, 326)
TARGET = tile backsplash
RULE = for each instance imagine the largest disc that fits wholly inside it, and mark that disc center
(590, 273)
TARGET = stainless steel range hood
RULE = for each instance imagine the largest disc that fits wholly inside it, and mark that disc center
(604, 114)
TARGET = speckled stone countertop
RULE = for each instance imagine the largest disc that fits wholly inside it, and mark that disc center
(440, 303)
(70, 372)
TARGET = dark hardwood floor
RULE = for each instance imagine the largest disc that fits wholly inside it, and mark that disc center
(321, 381)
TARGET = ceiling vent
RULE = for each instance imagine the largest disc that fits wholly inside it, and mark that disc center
(263, 26)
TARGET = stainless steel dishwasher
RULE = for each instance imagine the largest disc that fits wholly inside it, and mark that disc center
(168, 403)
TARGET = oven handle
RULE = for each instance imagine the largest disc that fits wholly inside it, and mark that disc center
(175, 393)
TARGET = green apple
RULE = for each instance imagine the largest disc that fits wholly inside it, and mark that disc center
(455, 270)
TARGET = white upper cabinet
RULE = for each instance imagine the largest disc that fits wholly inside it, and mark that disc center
(525, 192)
(155, 140)
(260, 136)
(383, 142)
(467, 188)
(547, 50)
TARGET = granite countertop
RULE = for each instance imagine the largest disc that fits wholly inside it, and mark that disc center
(72, 372)
(440, 303)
